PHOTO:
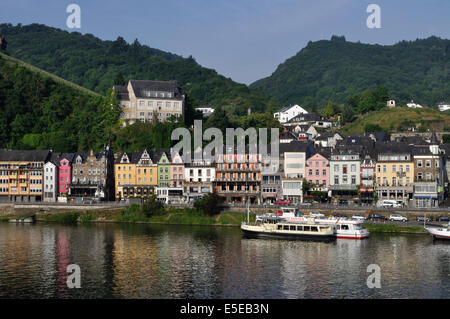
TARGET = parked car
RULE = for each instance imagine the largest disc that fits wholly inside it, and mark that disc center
(377, 217)
(339, 216)
(316, 214)
(282, 202)
(443, 219)
(422, 218)
(305, 204)
(389, 203)
(397, 217)
(358, 217)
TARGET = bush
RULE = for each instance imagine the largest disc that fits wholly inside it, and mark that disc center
(152, 207)
(210, 204)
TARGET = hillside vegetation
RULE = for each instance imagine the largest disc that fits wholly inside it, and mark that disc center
(335, 70)
(98, 65)
(399, 119)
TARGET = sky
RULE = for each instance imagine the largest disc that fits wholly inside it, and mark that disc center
(242, 39)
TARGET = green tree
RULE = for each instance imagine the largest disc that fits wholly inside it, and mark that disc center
(209, 205)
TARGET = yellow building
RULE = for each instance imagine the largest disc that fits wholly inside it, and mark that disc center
(135, 175)
(21, 175)
(395, 173)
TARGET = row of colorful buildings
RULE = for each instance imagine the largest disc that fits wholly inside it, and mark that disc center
(357, 168)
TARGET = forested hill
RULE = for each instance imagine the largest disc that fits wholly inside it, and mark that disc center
(41, 111)
(334, 70)
(97, 65)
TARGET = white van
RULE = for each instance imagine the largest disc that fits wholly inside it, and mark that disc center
(389, 203)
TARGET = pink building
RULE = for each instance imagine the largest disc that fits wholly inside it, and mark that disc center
(176, 171)
(318, 170)
(65, 173)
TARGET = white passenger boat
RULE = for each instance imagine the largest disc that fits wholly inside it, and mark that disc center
(273, 226)
(439, 233)
(345, 228)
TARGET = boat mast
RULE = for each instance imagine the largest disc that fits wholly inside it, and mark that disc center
(248, 212)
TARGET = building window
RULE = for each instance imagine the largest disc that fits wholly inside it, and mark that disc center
(419, 163)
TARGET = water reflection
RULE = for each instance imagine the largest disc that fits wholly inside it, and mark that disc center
(155, 261)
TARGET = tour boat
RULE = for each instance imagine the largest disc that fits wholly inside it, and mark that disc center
(439, 233)
(274, 226)
(345, 228)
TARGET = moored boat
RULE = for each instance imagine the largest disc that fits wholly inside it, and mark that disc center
(345, 228)
(439, 233)
(273, 226)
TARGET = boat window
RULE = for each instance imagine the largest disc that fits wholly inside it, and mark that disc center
(357, 227)
(292, 227)
(314, 228)
(280, 227)
(344, 227)
(338, 227)
(300, 228)
(306, 228)
(285, 227)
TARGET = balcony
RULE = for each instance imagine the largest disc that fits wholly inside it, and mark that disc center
(401, 174)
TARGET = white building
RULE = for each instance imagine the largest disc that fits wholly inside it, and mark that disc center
(289, 112)
(444, 106)
(206, 110)
(413, 105)
(50, 182)
(390, 103)
(292, 189)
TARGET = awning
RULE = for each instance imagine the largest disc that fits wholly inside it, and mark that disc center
(425, 197)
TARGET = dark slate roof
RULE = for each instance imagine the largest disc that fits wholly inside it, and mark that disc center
(68, 156)
(309, 117)
(411, 140)
(393, 148)
(122, 92)
(139, 86)
(355, 140)
(348, 149)
(25, 155)
(297, 147)
(421, 150)
(324, 151)
(379, 136)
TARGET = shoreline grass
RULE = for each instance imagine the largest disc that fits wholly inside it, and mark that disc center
(390, 228)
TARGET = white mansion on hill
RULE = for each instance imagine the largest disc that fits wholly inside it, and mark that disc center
(289, 112)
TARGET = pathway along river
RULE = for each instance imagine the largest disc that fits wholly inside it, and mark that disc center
(162, 261)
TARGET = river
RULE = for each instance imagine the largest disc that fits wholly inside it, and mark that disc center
(163, 261)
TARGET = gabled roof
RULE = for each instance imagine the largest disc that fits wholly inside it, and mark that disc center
(286, 108)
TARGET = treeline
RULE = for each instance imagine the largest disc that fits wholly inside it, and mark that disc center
(96, 65)
(335, 70)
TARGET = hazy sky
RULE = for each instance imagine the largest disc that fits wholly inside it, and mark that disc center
(241, 39)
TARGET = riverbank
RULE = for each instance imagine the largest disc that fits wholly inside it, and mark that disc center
(170, 216)
(175, 216)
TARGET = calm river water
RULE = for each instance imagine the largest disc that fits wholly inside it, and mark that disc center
(156, 261)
